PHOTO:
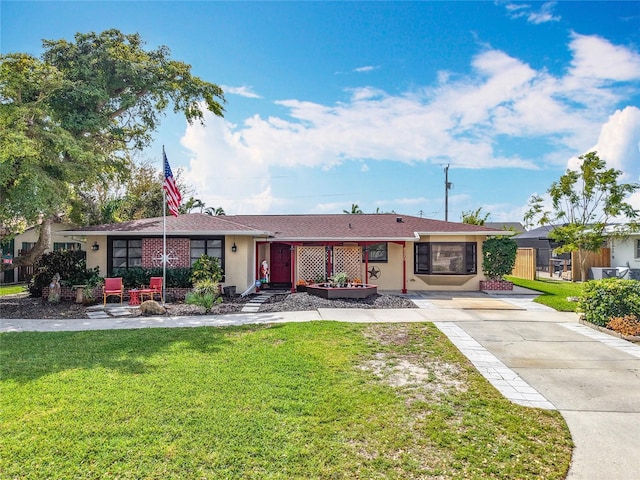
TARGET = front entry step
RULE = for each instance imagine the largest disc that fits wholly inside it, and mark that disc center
(253, 305)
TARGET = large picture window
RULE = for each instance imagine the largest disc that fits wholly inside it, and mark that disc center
(126, 253)
(72, 247)
(377, 252)
(451, 258)
(209, 246)
(637, 249)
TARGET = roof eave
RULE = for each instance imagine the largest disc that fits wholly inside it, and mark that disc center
(476, 232)
(138, 233)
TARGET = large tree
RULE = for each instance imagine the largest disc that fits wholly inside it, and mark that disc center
(138, 195)
(70, 120)
(583, 203)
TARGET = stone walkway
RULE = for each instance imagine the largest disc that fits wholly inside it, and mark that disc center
(97, 312)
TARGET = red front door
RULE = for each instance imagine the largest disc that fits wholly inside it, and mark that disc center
(280, 264)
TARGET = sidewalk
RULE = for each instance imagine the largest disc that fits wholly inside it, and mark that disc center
(532, 354)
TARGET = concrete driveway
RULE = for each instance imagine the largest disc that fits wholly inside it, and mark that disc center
(591, 378)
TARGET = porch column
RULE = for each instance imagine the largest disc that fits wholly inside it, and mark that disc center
(257, 270)
(366, 263)
(404, 267)
(293, 267)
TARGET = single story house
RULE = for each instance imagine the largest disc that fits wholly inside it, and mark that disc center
(394, 252)
(515, 227)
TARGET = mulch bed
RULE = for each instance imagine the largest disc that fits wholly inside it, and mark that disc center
(23, 306)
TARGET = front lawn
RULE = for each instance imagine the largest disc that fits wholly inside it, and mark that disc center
(12, 289)
(554, 292)
(298, 401)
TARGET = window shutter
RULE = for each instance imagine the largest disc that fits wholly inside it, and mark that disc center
(470, 258)
(422, 261)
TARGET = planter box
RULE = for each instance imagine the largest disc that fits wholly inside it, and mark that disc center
(500, 285)
(331, 293)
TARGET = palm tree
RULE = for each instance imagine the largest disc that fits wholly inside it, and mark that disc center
(354, 209)
(191, 204)
(214, 211)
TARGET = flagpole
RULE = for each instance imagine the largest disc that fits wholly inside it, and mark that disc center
(164, 235)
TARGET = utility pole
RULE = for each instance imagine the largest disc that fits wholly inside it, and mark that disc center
(447, 187)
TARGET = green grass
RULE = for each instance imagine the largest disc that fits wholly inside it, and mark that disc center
(554, 292)
(296, 401)
(12, 289)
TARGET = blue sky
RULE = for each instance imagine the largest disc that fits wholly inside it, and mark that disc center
(335, 103)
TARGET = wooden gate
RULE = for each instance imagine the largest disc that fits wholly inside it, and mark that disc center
(525, 264)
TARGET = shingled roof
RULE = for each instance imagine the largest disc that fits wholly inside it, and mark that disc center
(366, 227)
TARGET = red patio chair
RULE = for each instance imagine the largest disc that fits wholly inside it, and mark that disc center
(155, 288)
(112, 286)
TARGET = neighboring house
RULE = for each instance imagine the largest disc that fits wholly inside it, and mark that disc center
(546, 260)
(625, 255)
(21, 245)
(395, 252)
(515, 227)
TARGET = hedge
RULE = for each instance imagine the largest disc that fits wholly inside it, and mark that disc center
(136, 277)
(605, 299)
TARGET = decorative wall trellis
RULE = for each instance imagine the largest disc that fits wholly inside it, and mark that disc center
(347, 259)
(311, 263)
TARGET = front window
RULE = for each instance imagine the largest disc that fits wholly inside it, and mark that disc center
(72, 247)
(377, 252)
(211, 247)
(445, 258)
(27, 246)
(127, 253)
(637, 248)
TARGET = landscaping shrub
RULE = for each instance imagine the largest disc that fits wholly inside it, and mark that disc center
(627, 325)
(206, 268)
(136, 277)
(605, 299)
(70, 265)
(206, 293)
(498, 257)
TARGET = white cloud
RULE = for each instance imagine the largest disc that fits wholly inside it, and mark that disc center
(597, 59)
(543, 15)
(458, 120)
(243, 91)
(365, 69)
(619, 146)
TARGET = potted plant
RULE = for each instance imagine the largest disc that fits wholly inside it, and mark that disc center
(340, 279)
(301, 286)
(498, 260)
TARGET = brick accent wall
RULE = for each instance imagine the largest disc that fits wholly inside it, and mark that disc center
(495, 285)
(177, 247)
(69, 294)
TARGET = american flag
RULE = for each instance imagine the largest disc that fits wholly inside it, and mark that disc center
(173, 194)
